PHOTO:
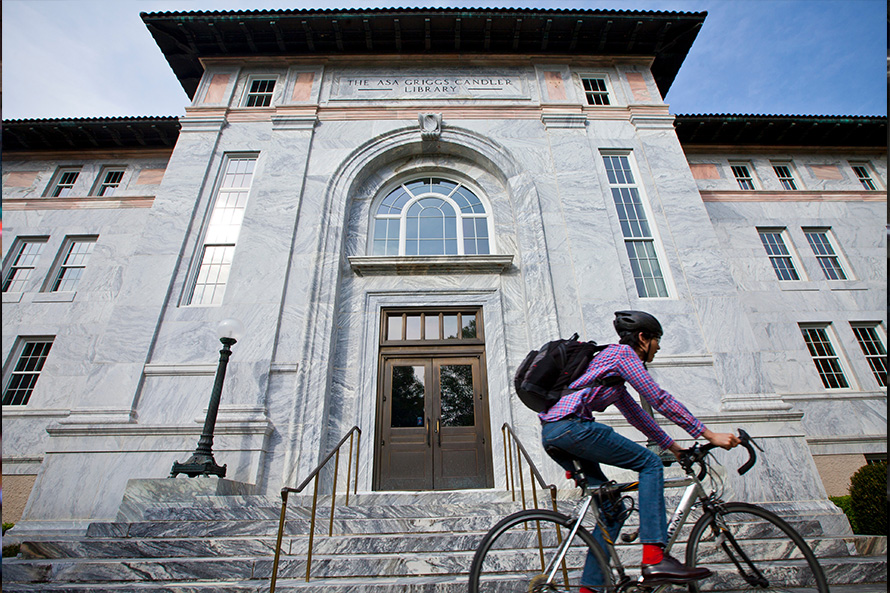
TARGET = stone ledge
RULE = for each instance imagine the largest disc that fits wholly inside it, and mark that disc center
(368, 265)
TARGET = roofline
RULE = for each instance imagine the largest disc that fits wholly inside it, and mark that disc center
(91, 133)
(186, 38)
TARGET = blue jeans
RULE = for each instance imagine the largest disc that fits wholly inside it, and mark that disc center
(594, 443)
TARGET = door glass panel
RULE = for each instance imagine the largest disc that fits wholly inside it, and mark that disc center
(431, 327)
(468, 320)
(456, 384)
(450, 323)
(407, 396)
(412, 327)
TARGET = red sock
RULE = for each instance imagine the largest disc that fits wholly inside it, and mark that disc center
(652, 554)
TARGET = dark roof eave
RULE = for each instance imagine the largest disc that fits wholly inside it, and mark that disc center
(111, 133)
(782, 130)
(187, 37)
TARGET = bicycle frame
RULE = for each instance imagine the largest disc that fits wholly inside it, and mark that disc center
(694, 494)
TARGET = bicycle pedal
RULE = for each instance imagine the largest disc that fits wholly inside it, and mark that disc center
(630, 537)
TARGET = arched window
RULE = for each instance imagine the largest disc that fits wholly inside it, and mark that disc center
(430, 216)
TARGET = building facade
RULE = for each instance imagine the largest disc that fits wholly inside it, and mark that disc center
(397, 205)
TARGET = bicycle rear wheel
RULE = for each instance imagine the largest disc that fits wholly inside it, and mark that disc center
(514, 554)
(749, 547)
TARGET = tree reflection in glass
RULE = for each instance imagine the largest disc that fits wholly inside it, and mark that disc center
(456, 384)
(407, 396)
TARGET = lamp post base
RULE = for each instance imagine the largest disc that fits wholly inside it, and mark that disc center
(198, 465)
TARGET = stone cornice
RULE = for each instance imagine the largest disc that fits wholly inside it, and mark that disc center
(367, 265)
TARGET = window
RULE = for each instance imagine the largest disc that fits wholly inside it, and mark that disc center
(431, 216)
(110, 180)
(29, 354)
(22, 258)
(595, 91)
(451, 326)
(259, 92)
(72, 261)
(222, 232)
(786, 178)
(825, 253)
(742, 174)
(824, 356)
(874, 350)
(638, 238)
(864, 177)
(63, 182)
(778, 253)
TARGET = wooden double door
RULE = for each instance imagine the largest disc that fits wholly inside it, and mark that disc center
(432, 423)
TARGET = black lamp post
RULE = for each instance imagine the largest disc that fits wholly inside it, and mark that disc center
(201, 463)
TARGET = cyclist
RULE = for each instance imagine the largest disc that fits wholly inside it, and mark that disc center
(570, 425)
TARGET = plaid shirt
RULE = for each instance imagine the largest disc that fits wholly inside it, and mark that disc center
(621, 360)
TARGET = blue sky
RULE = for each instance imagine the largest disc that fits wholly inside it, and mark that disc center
(95, 58)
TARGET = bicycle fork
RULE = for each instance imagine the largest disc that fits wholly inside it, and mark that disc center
(723, 537)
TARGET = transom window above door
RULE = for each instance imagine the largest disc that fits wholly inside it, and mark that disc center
(430, 216)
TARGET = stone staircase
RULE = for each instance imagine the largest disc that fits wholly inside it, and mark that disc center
(382, 542)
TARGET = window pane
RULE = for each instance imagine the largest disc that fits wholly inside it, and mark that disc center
(394, 327)
(824, 357)
(412, 327)
(449, 323)
(431, 327)
(875, 353)
(468, 323)
(26, 372)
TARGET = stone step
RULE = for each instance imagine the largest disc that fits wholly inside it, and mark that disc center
(341, 559)
(442, 575)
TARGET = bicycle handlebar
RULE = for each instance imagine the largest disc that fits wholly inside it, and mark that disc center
(697, 454)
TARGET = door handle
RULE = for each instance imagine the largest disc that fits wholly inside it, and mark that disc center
(438, 432)
(428, 441)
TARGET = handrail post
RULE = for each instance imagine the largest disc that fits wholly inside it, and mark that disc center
(312, 528)
(358, 442)
(349, 466)
(278, 541)
(334, 492)
(521, 479)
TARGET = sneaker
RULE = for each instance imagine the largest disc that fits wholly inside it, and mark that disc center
(671, 570)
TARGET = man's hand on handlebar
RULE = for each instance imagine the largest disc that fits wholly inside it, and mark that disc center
(724, 440)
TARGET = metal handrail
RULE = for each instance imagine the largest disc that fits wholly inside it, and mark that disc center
(510, 473)
(335, 453)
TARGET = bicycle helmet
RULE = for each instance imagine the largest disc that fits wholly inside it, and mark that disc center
(633, 322)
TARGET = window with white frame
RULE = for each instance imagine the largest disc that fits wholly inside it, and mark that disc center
(71, 263)
(742, 174)
(822, 247)
(63, 182)
(873, 348)
(824, 355)
(785, 175)
(20, 262)
(779, 255)
(595, 90)
(431, 216)
(29, 355)
(109, 180)
(259, 92)
(863, 175)
(639, 239)
(222, 231)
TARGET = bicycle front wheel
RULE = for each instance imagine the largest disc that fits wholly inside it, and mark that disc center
(748, 547)
(515, 555)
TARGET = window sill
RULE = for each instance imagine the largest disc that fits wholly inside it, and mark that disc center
(797, 285)
(846, 285)
(12, 297)
(372, 265)
(55, 297)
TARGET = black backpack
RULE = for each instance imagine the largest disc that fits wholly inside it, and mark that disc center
(545, 375)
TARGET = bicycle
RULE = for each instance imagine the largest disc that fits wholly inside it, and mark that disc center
(757, 549)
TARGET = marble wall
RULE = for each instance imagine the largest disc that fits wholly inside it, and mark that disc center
(133, 373)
